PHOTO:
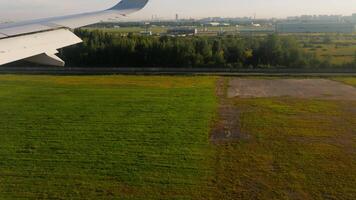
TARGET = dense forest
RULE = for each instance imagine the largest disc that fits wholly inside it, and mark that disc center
(101, 49)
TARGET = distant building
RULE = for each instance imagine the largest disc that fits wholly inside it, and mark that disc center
(146, 33)
(255, 25)
(213, 24)
(182, 31)
(315, 28)
(354, 17)
(330, 18)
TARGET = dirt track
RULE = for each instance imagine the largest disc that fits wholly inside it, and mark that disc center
(227, 127)
(298, 88)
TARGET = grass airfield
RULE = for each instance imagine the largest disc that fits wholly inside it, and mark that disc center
(150, 137)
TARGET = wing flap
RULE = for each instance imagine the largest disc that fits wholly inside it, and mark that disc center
(25, 46)
(46, 59)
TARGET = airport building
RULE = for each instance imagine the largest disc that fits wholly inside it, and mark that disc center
(182, 31)
(316, 27)
(146, 33)
(353, 18)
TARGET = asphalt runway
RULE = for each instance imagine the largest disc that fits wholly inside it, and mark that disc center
(171, 71)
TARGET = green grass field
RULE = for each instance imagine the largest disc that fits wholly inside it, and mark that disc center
(346, 80)
(103, 137)
(297, 149)
(338, 48)
(336, 55)
(136, 29)
(138, 137)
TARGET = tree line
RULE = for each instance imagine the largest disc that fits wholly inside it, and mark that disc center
(101, 49)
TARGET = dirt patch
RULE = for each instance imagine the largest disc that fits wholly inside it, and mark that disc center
(227, 126)
(299, 88)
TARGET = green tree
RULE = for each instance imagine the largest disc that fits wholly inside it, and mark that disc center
(204, 50)
(110, 49)
(218, 53)
(327, 39)
(293, 55)
(235, 52)
(270, 52)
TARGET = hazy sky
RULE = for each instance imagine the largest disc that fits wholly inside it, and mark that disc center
(26, 9)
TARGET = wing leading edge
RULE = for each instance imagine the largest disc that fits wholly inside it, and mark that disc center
(12, 35)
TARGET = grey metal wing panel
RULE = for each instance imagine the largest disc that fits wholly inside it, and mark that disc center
(123, 8)
(85, 19)
(23, 29)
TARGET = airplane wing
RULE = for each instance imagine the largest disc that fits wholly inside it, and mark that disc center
(38, 40)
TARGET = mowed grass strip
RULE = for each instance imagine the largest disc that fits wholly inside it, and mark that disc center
(296, 149)
(346, 80)
(101, 137)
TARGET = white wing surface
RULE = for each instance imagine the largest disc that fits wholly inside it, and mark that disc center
(38, 40)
